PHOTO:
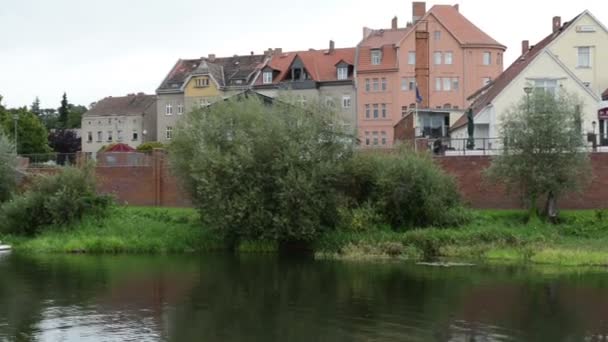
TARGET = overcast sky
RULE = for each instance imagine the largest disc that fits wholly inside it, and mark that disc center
(92, 49)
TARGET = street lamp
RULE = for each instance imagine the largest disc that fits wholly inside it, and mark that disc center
(16, 120)
(593, 124)
(528, 91)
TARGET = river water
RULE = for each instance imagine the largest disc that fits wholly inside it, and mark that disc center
(264, 298)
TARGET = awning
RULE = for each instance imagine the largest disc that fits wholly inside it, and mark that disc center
(602, 112)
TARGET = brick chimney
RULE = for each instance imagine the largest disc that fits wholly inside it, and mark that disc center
(366, 32)
(525, 46)
(418, 10)
(278, 51)
(557, 23)
(423, 63)
(211, 57)
(394, 23)
(457, 8)
(332, 46)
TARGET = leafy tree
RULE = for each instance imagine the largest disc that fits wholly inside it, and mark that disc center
(262, 172)
(31, 133)
(8, 162)
(75, 115)
(65, 142)
(36, 107)
(64, 112)
(543, 150)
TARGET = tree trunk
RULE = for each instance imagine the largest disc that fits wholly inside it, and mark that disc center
(551, 208)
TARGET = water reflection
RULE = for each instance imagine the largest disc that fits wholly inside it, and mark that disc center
(230, 298)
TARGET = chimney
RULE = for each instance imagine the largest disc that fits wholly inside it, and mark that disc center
(457, 8)
(332, 46)
(278, 51)
(422, 63)
(557, 23)
(268, 52)
(525, 46)
(394, 23)
(418, 10)
(211, 57)
(367, 32)
(252, 53)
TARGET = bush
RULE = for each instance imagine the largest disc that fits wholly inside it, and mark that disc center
(52, 200)
(149, 146)
(8, 161)
(262, 171)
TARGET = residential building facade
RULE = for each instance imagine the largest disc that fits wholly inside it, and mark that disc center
(195, 83)
(324, 76)
(571, 58)
(441, 53)
(128, 119)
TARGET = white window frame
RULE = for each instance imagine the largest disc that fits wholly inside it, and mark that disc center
(368, 86)
(405, 83)
(547, 85)
(169, 132)
(447, 84)
(455, 83)
(448, 58)
(169, 109)
(384, 111)
(376, 84)
(342, 73)
(376, 57)
(383, 140)
(180, 109)
(119, 135)
(267, 77)
(89, 136)
(437, 57)
(110, 136)
(346, 101)
(99, 136)
(438, 83)
(586, 62)
(368, 112)
(411, 58)
(487, 58)
(384, 84)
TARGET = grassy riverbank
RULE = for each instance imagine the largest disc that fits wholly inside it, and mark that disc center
(580, 239)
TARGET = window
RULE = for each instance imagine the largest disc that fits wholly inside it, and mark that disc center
(376, 57)
(437, 35)
(408, 84)
(180, 109)
(411, 58)
(169, 132)
(110, 138)
(384, 85)
(438, 84)
(99, 136)
(448, 58)
(119, 135)
(346, 101)
(383, 138)
(485, 81)
(487, 58)
(342, 73)
(384, 111)
(90, 136)
(201, 82)
(376, 84)
(549, 86)
(329, 102)
(447, 84)
(412, 83)
(367, 86)
(375, 138)
(169, 109)
(135, 135)
(367, 138)
(302, 100)
(375, 111)
(437, 57)
(499, 58)
(267, 77)
(367, 115)
(455, 83)
(403, 111)
(584, 57)
(404, 84)
(203, 102)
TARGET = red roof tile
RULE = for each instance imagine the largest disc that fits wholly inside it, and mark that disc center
(389, 59)
(380, 38)
(487, 94)
(460, 27)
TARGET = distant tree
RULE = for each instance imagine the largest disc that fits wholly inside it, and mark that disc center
(31, 133)
(543, 151)
(65, 142)
(64, 112)
(7, 164)
(36, 107)
(75, 115)
(49, 118)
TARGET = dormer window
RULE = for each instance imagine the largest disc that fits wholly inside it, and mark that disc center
(376, 57)
(342, 73)
(201, 82)
(267, 77)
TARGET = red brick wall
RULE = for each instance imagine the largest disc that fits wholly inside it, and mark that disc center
(130, 185)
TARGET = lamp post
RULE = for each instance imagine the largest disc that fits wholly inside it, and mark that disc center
(594, 124)
(528, 91)
(16, 120)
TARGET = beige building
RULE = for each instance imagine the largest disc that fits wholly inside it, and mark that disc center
(128, 119)
(574, 58)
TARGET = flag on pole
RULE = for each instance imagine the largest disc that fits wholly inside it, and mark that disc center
(418, 96)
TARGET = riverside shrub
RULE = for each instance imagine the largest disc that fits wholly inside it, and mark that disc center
(8, 162)
(52, 201)
(259, 171)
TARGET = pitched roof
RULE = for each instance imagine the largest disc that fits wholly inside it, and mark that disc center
(385, 40)
(389, 59)
(227, 71)
(465, 32)
(605, 95)
(124, 105)
(485, 96)
(379, 38)
(320, 64)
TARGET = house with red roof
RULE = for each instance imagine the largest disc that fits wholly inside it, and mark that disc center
(440, 53)
(572, 58)
(325, 75)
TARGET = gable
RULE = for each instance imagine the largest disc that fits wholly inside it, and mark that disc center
(201, 86)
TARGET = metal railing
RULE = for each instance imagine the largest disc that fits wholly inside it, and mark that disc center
(106, 159)
(49, 160)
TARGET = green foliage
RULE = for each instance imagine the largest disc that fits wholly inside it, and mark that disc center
(52, 200)
(262, 172)
(75, 113)
(64, 112)
(31, 133)
(543, 148)
(150, 146)
(8, 161)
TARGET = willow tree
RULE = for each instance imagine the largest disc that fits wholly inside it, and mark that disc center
(543, 150)
(8, 162)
